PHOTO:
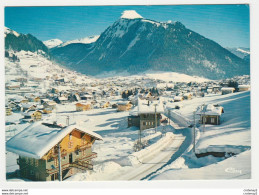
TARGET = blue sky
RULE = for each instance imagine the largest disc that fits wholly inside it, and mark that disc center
(228, 25)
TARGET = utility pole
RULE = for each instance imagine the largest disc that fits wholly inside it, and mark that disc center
(169, 115)
(203, 118)
(59, 163)
(194, 133)
(155, 118)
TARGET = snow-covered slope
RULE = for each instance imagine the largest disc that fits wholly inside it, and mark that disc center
(10, 31)
(238, 167)
(52, 43)
(85, 40)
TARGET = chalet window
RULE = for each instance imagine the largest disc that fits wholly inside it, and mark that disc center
(212, 120)
(31, 172)
(83, 141)
(144, 123)
(77, 152)
(204, 119)
(56, 161)
(64, 158)
(36, 162)
(31, 161)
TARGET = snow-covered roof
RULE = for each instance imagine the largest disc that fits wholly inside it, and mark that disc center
(227, 89)
(37, 139)
(243, 86)
(123, 102)
(209, 110)
(130, 14)
(178, 98)
(148, 107)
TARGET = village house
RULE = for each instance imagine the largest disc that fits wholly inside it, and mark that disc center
(146, 115)
(49, 104)
(31, 116)
(28, 106)
(187, 96)
(178, 98)
(105, 104)
(210, 114)
(83, 106)
(40, 144)
(61, 100)
(124, 106)
(227, 90)
(15, 106)
(8, 111)
(243, 88)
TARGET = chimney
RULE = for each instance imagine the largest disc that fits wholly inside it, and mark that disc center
(148, 102)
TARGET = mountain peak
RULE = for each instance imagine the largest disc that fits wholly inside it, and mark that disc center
(10, 31)
(130, 14)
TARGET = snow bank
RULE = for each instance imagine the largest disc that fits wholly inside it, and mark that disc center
(237, 167)
(152, 150)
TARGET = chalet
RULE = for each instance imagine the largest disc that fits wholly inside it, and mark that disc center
(32, 116)
(8, 111)
(210, 114)
(20, 100)
(28, 106)
(49, 104)
(61, 100)
(243, 87)
(187, 96)
(13, 86)
(15, 106)
(47, 110)
(227, 90)
(86, 97)
(216, 88)
(40, 144)
(178, 98)
(146, 115)
(124, 106)
(105, 104)
(83, 106)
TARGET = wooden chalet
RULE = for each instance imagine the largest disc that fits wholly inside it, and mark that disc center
(124, 106)
(32, 116)
(146, 115)
(243, 87)
(40, 144)
(178, 98)
(83, 106)
(210, 114)
(8, 111)
(227, 90)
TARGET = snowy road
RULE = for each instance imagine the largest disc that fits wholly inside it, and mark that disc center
(149, 166)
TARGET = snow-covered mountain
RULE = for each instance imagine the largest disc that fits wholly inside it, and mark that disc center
(85, 40)
(17, 42)
(135, 44)
(58, 43)
(52, 43)
(241, 52)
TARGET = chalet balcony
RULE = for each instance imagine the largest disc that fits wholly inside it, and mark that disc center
(82, 165)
